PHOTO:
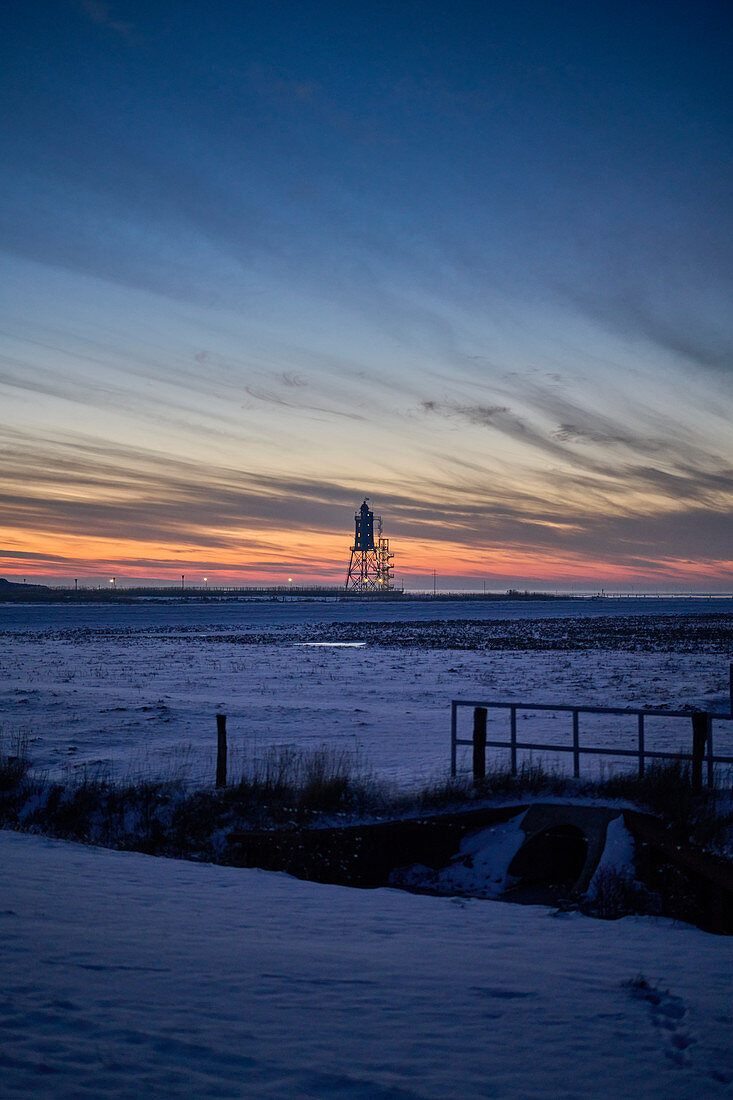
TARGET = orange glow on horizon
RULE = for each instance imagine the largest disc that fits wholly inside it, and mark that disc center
(245, 557)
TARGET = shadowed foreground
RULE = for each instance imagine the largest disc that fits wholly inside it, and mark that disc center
(125, 975)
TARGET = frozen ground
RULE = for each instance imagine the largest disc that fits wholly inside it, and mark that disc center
(129, 976)
(136, 688)
(235, 613)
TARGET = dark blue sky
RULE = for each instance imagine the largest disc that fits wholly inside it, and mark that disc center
(473, 259)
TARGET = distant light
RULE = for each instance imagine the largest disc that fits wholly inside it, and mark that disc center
(290, 579)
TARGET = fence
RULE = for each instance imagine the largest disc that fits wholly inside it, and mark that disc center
(702, 736)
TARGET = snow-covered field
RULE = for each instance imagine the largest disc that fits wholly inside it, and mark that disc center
(136, 688)
(129, 976)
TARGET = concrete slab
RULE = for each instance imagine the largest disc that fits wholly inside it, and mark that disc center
(592, 821)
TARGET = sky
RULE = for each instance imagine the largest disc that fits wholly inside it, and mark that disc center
(470, 260)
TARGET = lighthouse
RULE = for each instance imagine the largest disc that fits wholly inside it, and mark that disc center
(370, 565)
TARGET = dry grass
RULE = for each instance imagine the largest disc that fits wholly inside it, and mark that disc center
(326, 784)
(167, 817)
(14, 760)
(704, 817)
(616, 894)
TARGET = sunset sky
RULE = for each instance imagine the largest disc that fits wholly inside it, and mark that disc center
(259, 260)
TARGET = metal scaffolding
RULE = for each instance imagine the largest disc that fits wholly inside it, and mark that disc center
(370, 566)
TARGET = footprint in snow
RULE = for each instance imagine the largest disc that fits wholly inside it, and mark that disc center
(667, 1013)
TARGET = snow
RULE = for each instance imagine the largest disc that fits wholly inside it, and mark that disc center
(618, 852)
(126, 975)
(170, 613)
(478, 870)
(130, 976)
(135, 688)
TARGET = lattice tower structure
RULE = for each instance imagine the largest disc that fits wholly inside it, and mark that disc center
(370, 566)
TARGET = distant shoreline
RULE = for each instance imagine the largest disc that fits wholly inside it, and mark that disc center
(14, 592)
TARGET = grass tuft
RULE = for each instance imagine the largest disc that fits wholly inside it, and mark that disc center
(616, 893)
(532, 777)
(14, 760)
(665, 788)
(703, 817)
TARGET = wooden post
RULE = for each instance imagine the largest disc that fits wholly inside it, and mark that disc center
(576, 746)
(221, 750)
(479, 744)
(513, 738)
(699, 737)
(730, 709)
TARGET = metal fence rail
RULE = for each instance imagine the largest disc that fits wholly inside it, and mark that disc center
(702, 735)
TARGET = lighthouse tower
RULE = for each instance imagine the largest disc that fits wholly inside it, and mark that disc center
(370, 568)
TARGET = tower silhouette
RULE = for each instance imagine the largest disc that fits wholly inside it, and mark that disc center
(370, 568)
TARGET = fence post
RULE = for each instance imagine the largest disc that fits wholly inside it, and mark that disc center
(221, 750)
(699, 737)
(453, 737)
(479, 744)
(513, 738)
(730, 709)
(576, 746)
(640, 720)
